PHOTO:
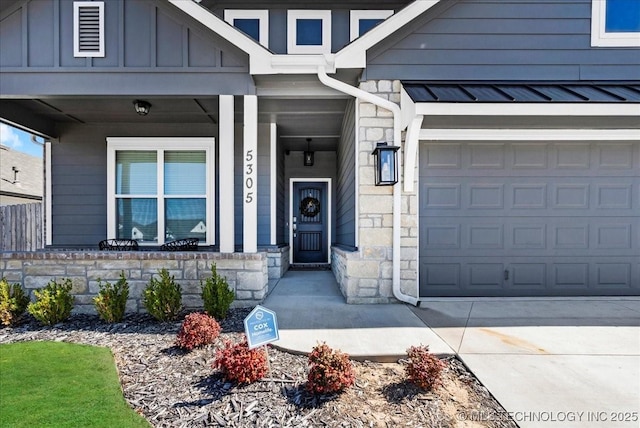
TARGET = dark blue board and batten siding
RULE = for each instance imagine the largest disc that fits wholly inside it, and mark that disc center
(501, 40)
(346, 184)
(151, 48)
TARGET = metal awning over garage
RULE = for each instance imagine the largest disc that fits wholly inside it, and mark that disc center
(510, 92)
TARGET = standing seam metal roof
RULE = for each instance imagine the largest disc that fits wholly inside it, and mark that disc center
(523, 92)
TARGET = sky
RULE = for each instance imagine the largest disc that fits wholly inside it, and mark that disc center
(19, 140)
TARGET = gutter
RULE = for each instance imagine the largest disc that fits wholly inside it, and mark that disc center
(397, 190)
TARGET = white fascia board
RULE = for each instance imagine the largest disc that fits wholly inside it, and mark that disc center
(530, 134)
(354, 55)
(297, 64)
(408, 108)
(527, 109)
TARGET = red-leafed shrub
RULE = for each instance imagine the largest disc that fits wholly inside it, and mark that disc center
(423, 368)
(329, 371)
(240, 364)
(197, 330)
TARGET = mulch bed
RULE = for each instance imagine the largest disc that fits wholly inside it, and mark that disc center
(173, 388)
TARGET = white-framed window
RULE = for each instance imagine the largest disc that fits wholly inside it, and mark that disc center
(254, 23)
(308, 31)
(88, 29)
(615, 23)
(160, 189)
(362, 21)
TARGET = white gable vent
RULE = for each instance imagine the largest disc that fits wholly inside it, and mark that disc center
(88, 29)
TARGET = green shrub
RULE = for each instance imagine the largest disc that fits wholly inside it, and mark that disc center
(13, 302)
(240, 364)
(163, 297)
(111, 301)
(423, 368)
(53, 303)
(197, 330)
(329, 371)
(216, 295)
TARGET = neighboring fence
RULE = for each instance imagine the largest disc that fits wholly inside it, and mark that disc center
(21, 227)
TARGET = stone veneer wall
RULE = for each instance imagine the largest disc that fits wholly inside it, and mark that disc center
(247, 274)
(366, 275)
(277, 261)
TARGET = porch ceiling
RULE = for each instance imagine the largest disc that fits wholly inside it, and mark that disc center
(297, 119)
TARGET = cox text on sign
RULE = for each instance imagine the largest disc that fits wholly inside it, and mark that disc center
(261, 327)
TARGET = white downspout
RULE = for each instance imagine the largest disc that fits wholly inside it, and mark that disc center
(397, 191)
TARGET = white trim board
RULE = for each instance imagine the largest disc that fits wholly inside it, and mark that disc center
(226, 172)
(292, 34)
(530, 134)
(250, 176)
(262, 15)
(159, 145)
(599, 35)
(273, 180)
(527, 109)
(329, 209)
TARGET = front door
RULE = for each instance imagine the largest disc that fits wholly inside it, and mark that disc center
(309, 222)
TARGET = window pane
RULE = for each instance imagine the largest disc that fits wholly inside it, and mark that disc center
(250, 26)
(137, 219)
(136, 173)
(623, 16)
(185, 218)
(309, 32)
(367, 24)
(185, 173)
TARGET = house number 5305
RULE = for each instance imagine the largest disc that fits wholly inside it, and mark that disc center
(249, 173)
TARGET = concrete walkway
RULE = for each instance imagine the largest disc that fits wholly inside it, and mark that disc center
(550, 362)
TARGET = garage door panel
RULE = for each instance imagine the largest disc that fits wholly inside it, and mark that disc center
(555, 218)
(484, 275)
(529, 156)
(611, 236)
(528, 275)
(613, 275)
(529, 236)
(571, 156)
(485, 156)
(549, 197)
(517, 276)
(529, 159)
(615, 155)
(613, 196)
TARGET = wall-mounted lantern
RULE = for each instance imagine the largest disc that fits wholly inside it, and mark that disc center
(386, 162)
(308, 154)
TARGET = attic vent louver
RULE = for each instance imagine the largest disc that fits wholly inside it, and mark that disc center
(88, 29)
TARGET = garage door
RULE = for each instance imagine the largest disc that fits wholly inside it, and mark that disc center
(529, 219)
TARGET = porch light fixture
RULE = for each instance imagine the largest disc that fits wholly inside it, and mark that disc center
(308, 154)
(142, 107)
(386, 161)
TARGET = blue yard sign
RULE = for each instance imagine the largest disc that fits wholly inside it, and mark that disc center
(261, 327)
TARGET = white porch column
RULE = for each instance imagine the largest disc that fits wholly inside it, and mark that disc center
(273, 140)
(48, 202)
(226, 168)
(250, 173)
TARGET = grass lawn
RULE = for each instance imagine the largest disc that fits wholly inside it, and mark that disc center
(54, 384)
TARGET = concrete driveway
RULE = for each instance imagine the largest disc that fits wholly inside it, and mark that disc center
(563, 362)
